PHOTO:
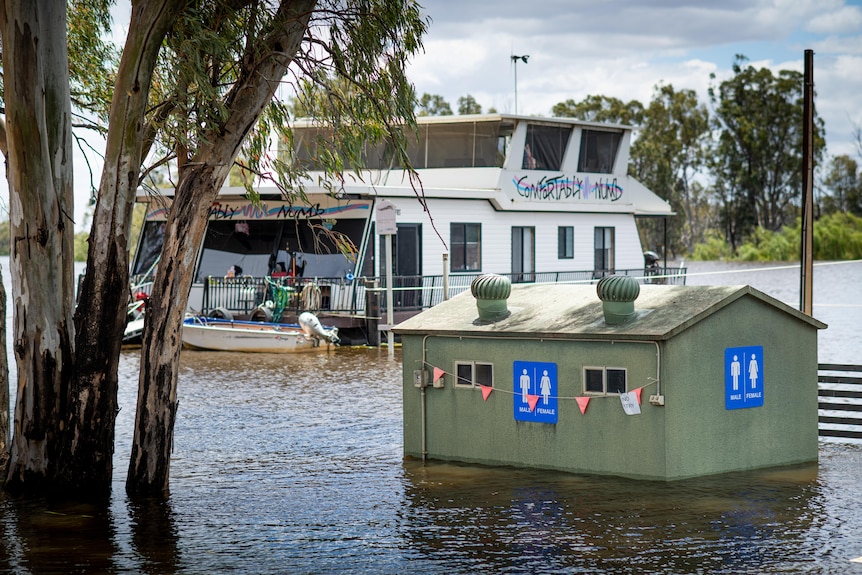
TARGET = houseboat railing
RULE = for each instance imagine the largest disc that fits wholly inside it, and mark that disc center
(241, 296)
(839, 401)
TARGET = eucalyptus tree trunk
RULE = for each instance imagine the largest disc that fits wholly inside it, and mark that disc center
(100, 317)
(38, 126)
(198, 186)
(4, 383)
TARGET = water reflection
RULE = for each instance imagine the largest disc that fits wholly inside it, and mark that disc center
(154, 535)
(294, 465)
(510, 520)
(40, 536)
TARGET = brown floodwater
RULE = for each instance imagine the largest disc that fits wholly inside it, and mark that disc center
(293, 464)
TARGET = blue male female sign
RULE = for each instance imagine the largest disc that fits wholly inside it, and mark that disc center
(743, 377)
(535, 391)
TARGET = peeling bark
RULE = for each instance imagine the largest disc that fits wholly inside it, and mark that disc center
(38, 124)
(200, 181)
(100, 317)
(4, 384)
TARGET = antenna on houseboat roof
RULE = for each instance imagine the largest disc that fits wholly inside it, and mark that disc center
(515, 62)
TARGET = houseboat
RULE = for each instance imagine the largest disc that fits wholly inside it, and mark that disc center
(535, 199)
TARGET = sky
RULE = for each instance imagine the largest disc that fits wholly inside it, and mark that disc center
(625, 48)
(619, 48)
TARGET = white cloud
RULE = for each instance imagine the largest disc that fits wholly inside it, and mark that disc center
(624, 48)
(847, 19)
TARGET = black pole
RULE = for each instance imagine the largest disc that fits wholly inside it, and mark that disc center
(806, 251)
(664, 222)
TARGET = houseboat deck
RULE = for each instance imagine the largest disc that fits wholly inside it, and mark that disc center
(535, 199)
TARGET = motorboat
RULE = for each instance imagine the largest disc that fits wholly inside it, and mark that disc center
(225, 334)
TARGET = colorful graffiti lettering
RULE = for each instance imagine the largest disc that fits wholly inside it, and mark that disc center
(563, 187)
(248, 211)
(251, 212)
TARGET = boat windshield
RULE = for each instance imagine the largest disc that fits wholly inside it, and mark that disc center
(260, 248)
(311, 248)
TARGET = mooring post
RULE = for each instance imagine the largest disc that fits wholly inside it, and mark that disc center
(372, 312)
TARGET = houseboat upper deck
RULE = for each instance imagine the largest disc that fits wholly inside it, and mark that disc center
(537, 199)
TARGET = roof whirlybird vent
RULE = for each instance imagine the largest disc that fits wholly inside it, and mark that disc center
(491, 292)
(618, 295)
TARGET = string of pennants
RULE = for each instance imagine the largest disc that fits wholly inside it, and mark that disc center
(630, 401)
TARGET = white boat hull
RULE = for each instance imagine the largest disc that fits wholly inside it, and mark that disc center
(246, 336)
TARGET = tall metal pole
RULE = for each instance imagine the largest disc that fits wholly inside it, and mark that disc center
(806, 252)
(515, 61)
(516, 84)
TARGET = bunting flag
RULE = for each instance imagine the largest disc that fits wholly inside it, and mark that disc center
(630, 403)
(638, 392)
(583, 402)
(486, 391)
(532, 400)
(438, 373)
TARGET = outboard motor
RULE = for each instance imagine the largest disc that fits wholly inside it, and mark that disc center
(651, 259)
(312, 328)
(652, 268)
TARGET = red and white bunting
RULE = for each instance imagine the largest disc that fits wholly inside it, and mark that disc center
(438, 373)
(630, 402)
(486, 391)
(583, 402)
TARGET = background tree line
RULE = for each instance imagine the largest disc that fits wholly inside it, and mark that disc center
(732, 174)
(732, 171)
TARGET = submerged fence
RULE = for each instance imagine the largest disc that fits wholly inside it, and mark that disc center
(839, 400)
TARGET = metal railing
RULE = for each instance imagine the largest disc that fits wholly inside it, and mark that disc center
(242, 295)
(421, 292)
(839, 400)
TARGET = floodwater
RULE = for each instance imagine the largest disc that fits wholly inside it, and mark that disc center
(293, 464)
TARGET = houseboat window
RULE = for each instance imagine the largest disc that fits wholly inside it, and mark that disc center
(375, 156)
(545, 147)
(306, 141)
(149, 248)
(437, 145)
(243, 245)
(460, 145)
(604, 247)
(598, 151)
(605, 380)
(466, 244)
(474, 373)
(565, 242)
(256, 247)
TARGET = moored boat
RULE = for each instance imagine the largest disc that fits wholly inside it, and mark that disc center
(220, 334)
(539, 200)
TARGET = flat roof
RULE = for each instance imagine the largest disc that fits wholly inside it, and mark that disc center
(496, 117)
